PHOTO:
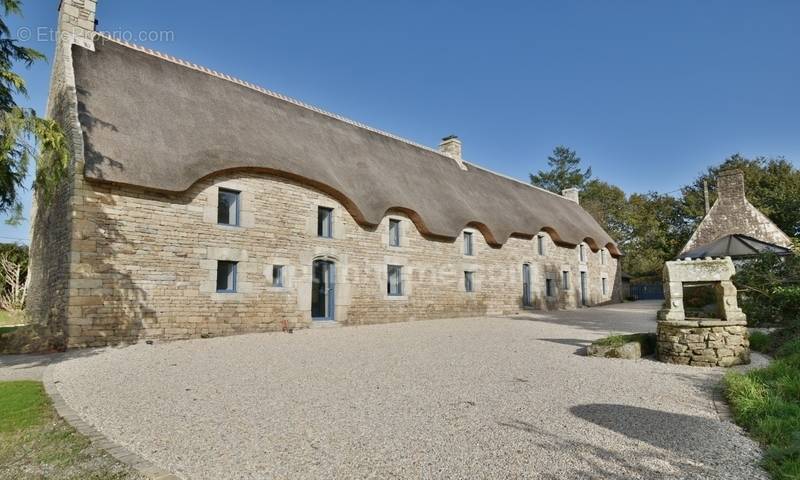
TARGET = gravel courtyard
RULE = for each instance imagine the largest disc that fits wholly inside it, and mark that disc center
(463, 398)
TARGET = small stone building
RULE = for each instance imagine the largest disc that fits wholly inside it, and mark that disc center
(198, 204)
(734, 227)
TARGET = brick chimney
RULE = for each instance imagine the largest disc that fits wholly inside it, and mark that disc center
(572, 194)
(76, 22)
(451, 147)
(730, 186)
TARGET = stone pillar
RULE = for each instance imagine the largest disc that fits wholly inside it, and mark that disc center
(451, 147)
(76, 22)
(572, 194)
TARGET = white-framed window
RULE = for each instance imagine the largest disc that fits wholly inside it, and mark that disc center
(394, 281)
(565, 280)
(540, 244)
(279, 276)
(394, 232)
(226, 276)
(228, 207)
(603, 256)
(469, 248)
(325, 222)
(582, 252)
(469, 281)
(604, 285)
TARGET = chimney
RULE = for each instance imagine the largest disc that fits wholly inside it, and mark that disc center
(451, 147)
(572, 194)
(730, 186)
(76, 22)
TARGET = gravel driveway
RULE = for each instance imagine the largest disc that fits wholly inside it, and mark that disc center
(465, 398)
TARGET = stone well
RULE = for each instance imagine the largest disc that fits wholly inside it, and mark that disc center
(702, 342)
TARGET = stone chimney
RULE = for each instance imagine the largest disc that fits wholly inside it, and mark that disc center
(572, 194)
(730, 186)
(76, 22)
(451, 147)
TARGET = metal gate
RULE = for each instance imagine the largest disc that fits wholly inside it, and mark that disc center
(647, 291)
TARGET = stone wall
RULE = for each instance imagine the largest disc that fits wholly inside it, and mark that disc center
(703, 343)
(146, 265)
(51, 227)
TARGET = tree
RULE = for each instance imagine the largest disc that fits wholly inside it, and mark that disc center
(658, 231)
(21, 129)
(565, 171)
(772, 185)
(609, 206)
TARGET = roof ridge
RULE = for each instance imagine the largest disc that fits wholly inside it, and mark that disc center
(260, 89)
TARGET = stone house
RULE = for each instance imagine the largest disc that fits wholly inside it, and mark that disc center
(198, 204)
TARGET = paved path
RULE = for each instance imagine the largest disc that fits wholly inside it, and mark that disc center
(466, 398)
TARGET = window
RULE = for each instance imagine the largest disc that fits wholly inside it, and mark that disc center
(469, 281)
(540, 244)
(582, 252)
(325, 222)
(226, 277)
(228, 207)
(278, 279)
(603, 256)
(549, 287)
(468, 250)
(565, 280)
(394, 285)
(604, 283)
(394, 233)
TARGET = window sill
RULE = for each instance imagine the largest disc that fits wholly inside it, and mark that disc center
(396, 298)
(226, 226)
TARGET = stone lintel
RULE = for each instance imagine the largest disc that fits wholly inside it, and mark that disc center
(705, 322)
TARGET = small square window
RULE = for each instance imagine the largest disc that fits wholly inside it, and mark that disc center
(228, 207)
(394, 284)
(468, 249)
(278, 279)
(604, 283)
(565, 280)
(226, 276)
(582, 252)
(549, 286)
(325, 222)
(469, 281)
(394, 233)
(540, 244)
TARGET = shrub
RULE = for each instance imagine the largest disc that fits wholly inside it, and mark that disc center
(769, 289)
(760, 342)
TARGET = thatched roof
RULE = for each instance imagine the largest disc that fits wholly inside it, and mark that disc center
(156, 122)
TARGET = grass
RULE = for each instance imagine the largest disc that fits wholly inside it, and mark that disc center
(36, 444)
(766, 402)
(9, 318)
(647, 340)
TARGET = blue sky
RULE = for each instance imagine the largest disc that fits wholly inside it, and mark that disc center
(648, 92)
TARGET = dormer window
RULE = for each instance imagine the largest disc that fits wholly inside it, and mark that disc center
(468, 247)
(325, 222)
(228, 207)
(394, 233)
